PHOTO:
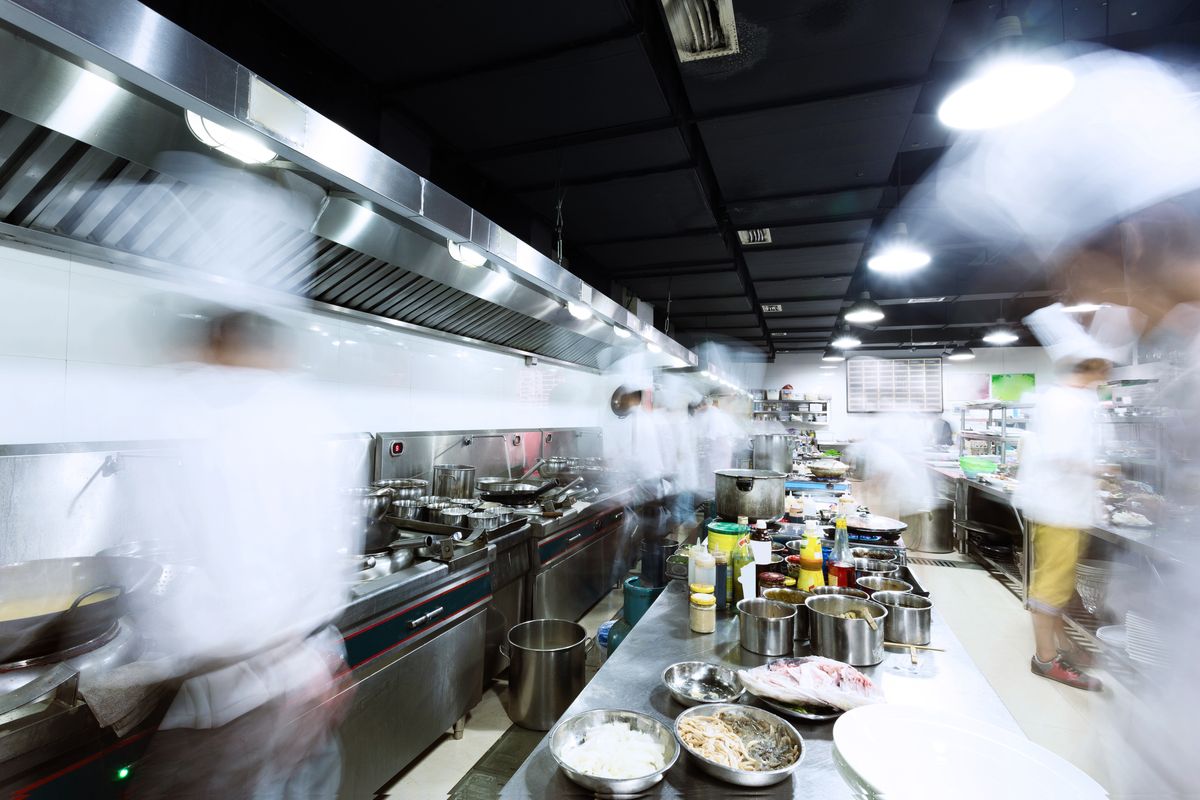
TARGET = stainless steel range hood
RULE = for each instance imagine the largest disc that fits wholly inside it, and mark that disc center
(95, 158)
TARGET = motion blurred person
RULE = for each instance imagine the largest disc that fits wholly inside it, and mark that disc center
(716, 439)
(1057, 494)
(246, 637)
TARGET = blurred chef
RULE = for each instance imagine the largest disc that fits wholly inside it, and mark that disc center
(717, 437)
(246, 637)
(1058, 484)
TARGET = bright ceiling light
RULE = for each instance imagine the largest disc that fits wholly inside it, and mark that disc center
(579, 310)
(1082, 308)
(925, 299)
(829, 366)
(705, 374)
(864, 310)
(832, 355)
(1006, 93)
(961, 353)
(1001, 336)
(653, 348)
(621, 333)
(466, 254)
(897, 259)
(242, 146)
(846, 340)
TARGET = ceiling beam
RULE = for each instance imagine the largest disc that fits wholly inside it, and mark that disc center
(527, 59)
(609, 177)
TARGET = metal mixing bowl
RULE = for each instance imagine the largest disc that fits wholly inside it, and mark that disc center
(695, 682)
(574, 729)
(743, 777)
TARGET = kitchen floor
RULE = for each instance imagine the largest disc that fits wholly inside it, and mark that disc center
(986, 618)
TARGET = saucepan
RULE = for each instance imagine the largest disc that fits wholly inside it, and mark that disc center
(909, 616)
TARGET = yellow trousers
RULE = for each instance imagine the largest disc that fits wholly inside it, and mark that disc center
(1055, 554)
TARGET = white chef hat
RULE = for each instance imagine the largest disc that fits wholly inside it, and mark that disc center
(1124, 139)
(1065, 340)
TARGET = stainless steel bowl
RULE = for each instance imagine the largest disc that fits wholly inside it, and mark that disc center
(575, 729)
(877, 583)
(743, 777)
(766, 627)
(693, 683)
(909, 618)
(794, 546)
(405, 488)
(408, 509)
(872, 566)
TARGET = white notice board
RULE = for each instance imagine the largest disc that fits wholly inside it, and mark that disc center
(893, 384)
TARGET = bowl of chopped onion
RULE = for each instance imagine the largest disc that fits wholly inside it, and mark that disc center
(613, 752)
(740, 744)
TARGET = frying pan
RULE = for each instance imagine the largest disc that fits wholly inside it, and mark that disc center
(92, 592)
(513, 493)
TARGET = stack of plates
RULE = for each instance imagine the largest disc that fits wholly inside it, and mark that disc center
(1092, 579)
(1143, 640)
(910, 753)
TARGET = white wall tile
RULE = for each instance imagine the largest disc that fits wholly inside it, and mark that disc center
(116, 318)
(33, 305)
(117, 402)
(31, 399)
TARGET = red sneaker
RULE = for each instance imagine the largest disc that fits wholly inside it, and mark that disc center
(1064, 671)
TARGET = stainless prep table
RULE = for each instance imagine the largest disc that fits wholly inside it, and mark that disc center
(631, 679)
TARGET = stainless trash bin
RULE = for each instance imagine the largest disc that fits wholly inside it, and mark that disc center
(547, 658)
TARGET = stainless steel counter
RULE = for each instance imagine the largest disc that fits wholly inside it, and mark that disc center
(631, 680)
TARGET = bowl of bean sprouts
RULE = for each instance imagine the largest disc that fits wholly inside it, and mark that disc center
(740, 744)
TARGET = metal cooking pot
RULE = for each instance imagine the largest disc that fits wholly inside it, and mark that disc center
(876, 583)
(405, 488)
(49, 605)
(909, 616)
(408, 509)
(367, 521)
(771, 451)
(767, 627)
(753, 493)
(852, 641)
(871, 566)
(547, 665)
(795, 597)
(454, 480)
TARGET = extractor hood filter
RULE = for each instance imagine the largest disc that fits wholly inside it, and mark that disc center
(702, 28)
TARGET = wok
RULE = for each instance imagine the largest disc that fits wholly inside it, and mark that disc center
(49, 605)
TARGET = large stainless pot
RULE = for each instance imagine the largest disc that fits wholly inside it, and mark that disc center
(753, 493)
(455, 481)
(547, 659)
(53, 604)
(909, 618)
(771, 451)
(853, 641)
(405, 488)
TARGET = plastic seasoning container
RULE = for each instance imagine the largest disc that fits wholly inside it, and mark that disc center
(721, 561)
(706, 566)
(702, 613)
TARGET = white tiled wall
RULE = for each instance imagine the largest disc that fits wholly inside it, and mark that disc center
(82, 359)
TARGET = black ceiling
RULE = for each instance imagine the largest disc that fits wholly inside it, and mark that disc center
(815, 129)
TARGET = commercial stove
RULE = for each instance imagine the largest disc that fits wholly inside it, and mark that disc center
(579, 554)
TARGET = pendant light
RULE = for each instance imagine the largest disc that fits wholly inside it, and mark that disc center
(845, 340)
(1002, 335)
(961, 353)
(832, 355)
(1010, 88)
(864, 310)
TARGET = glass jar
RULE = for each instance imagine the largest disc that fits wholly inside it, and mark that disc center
(770, 580)
(702, 614)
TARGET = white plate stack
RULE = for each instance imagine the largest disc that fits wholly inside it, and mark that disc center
(1144, 640)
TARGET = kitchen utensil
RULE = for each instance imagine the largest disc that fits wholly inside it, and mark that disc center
(963, 748)
(877, 555)
(869, 566)
(408, 509)
(743, 777)
(404, 488)
(455, 516)
(852, 641)
(454, 480)
(844, 591)
(547, 659)
(481, 520)
(914, 646)
(403, 550)
(515, 493)
(574, 729)
(878, 583)
(752, 493)
(692, 683)
(771, 451)
(766, 627)
(794, 597)
(53, 604)
(909, 616)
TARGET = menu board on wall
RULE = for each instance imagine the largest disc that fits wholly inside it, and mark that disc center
(894, 384)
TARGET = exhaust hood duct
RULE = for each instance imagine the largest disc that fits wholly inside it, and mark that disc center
(113, 173)
(701, 28)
